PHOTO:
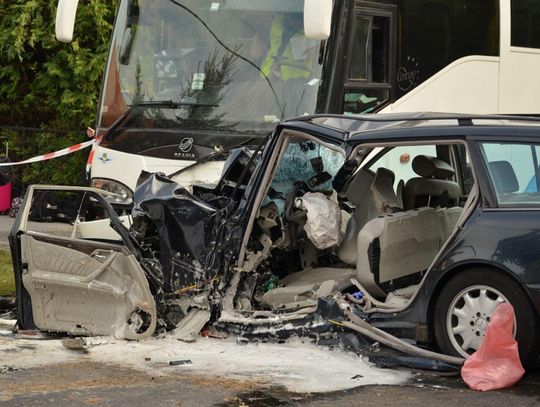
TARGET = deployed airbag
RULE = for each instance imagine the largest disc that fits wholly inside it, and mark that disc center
(323, 225)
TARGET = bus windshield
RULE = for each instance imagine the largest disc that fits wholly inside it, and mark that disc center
(243, 70)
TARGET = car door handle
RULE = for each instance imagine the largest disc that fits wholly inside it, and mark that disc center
(100, 255)
(103, 266)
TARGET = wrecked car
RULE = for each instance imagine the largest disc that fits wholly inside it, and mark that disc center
(415, 226)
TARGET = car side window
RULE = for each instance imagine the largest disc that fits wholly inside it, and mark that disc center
(69, 214)
(514, 172)
(399, 161)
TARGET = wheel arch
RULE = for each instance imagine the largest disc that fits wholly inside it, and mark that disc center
(452, 273)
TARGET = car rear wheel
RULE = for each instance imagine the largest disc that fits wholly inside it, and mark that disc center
(464, 308)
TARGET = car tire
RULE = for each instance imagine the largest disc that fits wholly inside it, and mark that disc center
(465, 305)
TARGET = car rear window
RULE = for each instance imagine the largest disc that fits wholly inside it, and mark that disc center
(514, 172)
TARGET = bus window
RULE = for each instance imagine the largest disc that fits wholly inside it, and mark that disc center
(433, 34)
(367, 84)
(364, 100)
(525, 23)
(360, 50)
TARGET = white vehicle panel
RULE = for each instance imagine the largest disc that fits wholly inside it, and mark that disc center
(468, 85)
(126, 168)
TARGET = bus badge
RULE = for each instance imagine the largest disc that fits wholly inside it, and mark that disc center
(186, 144)
(104, 158)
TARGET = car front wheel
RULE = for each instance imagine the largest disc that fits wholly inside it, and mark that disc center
(465, 306)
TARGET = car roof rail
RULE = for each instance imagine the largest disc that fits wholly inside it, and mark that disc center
(462, 119)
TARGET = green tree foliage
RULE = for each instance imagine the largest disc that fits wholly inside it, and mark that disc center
(48, 84)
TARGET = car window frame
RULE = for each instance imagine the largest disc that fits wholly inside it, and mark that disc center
(260, 182)
(426, 138)
(497, 134)
(385, 150)
(387, 144)
(494, 199)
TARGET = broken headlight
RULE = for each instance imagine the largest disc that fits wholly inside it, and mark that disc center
(124, 196)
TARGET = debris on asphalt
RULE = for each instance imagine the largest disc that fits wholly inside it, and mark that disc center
(242, 341)
(180, 362)
(7, 369)
(189, 327)
(85, 343)
(7, 324)
(295, 364)
(74, 344)
(212, 332)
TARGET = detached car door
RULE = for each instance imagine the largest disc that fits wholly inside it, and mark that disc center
(73, 272)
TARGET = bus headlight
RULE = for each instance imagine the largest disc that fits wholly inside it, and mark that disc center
(124, 194)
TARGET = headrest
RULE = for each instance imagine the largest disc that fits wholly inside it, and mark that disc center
(359, 186)
(384, 176)
(431, 167)
(383, 188)
(504, 177)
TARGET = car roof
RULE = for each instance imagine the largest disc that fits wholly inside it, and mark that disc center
(350, 125)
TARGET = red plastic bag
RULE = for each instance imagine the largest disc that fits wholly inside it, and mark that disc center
(495, 365)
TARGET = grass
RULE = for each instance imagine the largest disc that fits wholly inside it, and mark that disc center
(7, 281)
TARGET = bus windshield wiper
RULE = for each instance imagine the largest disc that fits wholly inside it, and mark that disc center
(172, 104)
(154, 103)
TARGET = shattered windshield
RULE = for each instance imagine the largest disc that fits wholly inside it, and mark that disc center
(246, 64)
(302, 162)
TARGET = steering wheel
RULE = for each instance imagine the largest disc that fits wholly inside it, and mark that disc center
(292, 213)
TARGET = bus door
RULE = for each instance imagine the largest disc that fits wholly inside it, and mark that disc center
(368, 59)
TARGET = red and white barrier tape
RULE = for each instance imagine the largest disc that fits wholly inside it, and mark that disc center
(90, 159)
(56, 154)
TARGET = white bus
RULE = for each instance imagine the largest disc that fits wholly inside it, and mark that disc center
(206, 75)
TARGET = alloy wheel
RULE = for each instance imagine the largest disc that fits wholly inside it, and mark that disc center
(469, 315)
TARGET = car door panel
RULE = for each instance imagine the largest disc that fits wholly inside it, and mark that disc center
(85, 287)
(74, 292)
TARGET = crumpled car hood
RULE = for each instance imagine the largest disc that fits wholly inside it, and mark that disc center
(185, 226)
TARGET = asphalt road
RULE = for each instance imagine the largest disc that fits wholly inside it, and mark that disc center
(87, 383)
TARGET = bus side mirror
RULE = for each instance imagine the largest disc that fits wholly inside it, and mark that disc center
(317, 19)
(65, 19)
